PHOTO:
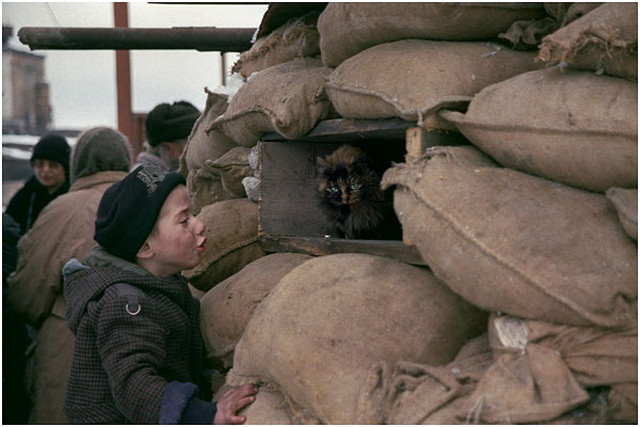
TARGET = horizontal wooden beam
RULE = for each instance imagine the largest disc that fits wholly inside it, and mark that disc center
(320, 246)
(196, 38)
(342, 130)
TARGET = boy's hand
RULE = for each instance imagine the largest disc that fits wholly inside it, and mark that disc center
(233, 401)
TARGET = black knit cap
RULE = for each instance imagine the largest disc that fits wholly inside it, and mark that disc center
(166, 123)
(129, 209)
(53, 147)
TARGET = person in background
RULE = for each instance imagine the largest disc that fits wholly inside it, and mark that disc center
(149, 156)
(15, 338)
(63, 230)
(167, 127)
(139, 349)
(50, 161)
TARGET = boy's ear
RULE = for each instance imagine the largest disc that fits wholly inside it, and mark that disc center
(145, 251)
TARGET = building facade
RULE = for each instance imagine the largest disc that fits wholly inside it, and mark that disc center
(25, 94)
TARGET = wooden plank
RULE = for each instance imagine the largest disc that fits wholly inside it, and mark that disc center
(319, 246)
(288, 197)
(337, 130)
(418, 140)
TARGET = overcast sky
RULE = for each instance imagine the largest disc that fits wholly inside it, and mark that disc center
(83, 83)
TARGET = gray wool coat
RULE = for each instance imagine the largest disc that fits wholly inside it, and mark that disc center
(141, 368)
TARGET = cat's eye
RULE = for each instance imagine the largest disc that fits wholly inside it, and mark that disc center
(354, 186)
(333, 189)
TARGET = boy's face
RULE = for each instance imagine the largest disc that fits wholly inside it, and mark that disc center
(176, 240)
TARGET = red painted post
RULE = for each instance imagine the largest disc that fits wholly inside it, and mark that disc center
(123, 79)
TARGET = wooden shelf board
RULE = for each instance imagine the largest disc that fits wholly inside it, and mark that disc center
(320, 246)
(350, 129)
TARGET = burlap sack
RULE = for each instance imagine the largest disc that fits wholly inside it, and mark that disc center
(232, 167)
(425, 394)
(565, 13)
(413, 79)
(268, 409)
(202, 146)
(560, 361)
(297, 38)
(604, 40)
(205, 187)
(569, 126)
(226, 309)
(348, 28)
(536, 372)
(330, 320)
(287, 98)
(528, 34)
(232, 242)
(626, 203)
(510, 242)
(524, 388)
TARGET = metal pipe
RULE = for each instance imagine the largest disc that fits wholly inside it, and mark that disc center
(198, 38)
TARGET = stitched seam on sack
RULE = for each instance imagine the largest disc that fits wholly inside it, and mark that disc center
(226, 118)
(274, 120)
(374, 93)
(508, 127)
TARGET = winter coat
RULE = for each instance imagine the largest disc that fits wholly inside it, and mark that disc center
(25, 206)
(63, 231)
(15, 339)
(138, 353)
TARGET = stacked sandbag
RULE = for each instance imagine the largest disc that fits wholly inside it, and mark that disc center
(316, 337)
(349, 28)
(553, 256)
(588, 357)
(525, 371)
(426, 394)
(204, 182)
(269, 408)
(528, 34)
(511, 242)
(228, 306)
(287, 98)
(201, 145)
(412, 79)
(626, 203)
(604, 40)
(232, 167)
(569, 126)
(517, 224)
(296, 38)
(232, 242)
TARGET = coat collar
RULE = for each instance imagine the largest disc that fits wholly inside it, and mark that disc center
(105, 177)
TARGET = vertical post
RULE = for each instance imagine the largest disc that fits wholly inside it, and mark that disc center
(416, 143)
(223, 65)
(123, 78)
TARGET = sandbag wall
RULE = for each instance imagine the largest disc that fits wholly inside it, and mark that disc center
(533, 223)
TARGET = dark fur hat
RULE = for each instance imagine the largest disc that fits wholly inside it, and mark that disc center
(129, 209)
(166, 123)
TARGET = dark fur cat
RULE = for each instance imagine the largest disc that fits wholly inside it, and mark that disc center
(350, 194)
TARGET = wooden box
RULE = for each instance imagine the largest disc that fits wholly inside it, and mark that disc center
(290, 217)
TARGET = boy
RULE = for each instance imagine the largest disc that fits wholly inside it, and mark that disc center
(138, 349)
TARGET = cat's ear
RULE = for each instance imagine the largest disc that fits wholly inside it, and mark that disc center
(322, 163)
